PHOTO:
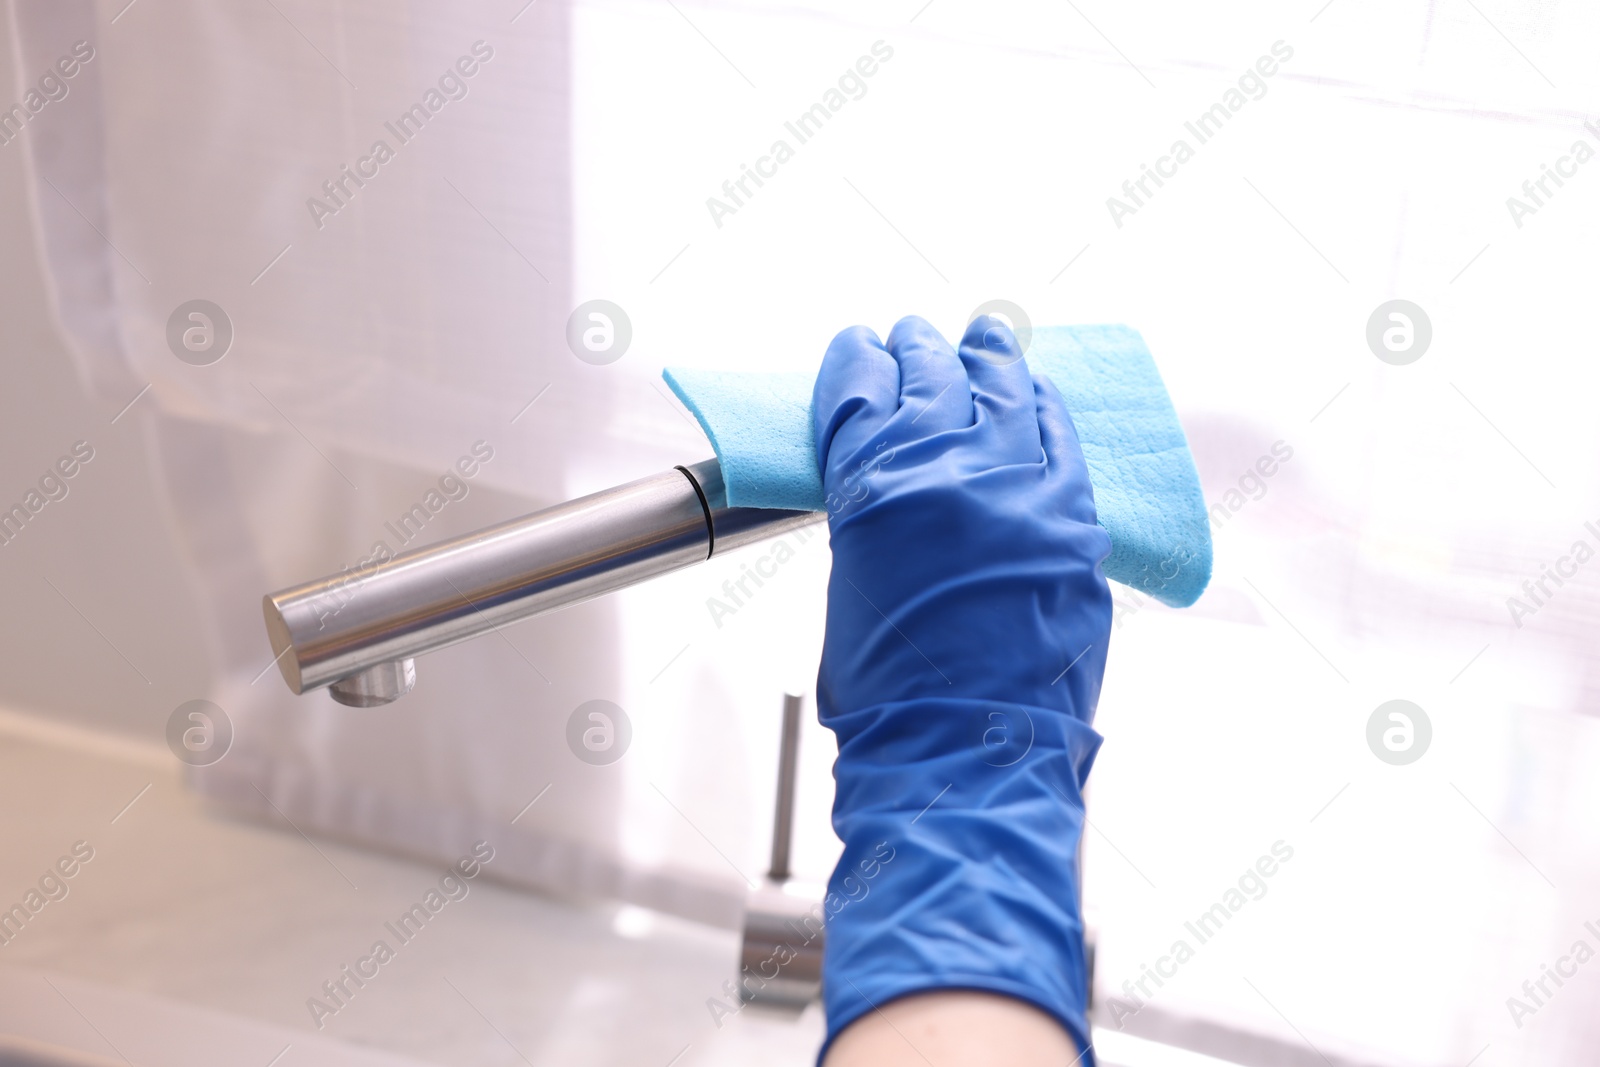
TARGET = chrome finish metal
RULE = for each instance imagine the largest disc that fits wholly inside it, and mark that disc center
(783, 810)
(782, 922)
(780, 954)
(374, 619)
(376, 686)
(735, 527)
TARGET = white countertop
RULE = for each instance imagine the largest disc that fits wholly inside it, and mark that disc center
(187, 914)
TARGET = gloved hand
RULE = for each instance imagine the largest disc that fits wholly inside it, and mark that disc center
(968, 624)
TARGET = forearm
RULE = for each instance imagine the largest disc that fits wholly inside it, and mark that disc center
(954, 1029)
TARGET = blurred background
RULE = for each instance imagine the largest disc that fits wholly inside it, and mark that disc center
(379, 331)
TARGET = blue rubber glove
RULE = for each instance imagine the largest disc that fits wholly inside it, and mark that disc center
(967, 630)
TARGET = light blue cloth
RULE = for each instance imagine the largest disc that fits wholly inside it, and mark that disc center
(1146, 492)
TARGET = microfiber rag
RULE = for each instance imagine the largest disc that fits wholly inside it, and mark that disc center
(1146, 492)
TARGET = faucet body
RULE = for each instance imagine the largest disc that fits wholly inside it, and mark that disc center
(358, 632)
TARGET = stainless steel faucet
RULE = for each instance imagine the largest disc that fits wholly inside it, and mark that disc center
(358, 633)
(783, 936)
